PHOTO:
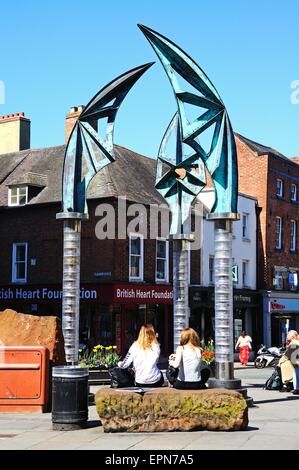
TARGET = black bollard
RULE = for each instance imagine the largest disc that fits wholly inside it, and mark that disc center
(69, 398)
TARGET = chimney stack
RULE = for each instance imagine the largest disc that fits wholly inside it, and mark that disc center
(14, 133)
(71, 119)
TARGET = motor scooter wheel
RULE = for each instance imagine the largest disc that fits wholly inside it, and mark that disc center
(260, 363)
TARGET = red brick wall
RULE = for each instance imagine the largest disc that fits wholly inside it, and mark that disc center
(257, 178)
(38, 226)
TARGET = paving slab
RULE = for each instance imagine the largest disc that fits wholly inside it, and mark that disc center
(273, 424)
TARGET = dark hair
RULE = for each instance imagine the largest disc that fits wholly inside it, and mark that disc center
(243, 333)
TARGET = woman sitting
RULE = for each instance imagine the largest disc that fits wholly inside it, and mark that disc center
(144, 354)
(188, 359)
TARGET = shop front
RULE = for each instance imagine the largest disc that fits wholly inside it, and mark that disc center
(281, 314)
(110, 314)
(202, 313)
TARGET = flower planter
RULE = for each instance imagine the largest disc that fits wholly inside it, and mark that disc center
(99, 377)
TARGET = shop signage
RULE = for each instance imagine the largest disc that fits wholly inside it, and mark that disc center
(245, 299)
(235, 274)
(285, 305)
(142, 294)
(41, 293)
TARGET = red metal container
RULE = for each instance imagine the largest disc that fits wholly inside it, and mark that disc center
(24, 378)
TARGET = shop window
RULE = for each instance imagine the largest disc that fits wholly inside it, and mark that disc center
(294, 192)
(19, 262)
(279, 188)
(278, 233)
(162, 260)
(245, 273)
(293, 244)
(211, 269)
(136, 257)
(18, 196)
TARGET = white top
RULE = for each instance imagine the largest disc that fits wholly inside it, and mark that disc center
(244, 341)
(188, 360)
(144, 363)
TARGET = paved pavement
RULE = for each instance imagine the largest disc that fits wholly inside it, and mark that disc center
(273, 424)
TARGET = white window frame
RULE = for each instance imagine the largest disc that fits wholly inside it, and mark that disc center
(166, 279)
(10, 203)
(279, 245)
(245, 216)
(278, 280)
(293, 238)
(141, 261)
(245, 280)
(16, 280)
(279, 187)
(211, 257)
(294, 193)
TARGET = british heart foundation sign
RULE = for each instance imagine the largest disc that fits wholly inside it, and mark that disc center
(142, 294)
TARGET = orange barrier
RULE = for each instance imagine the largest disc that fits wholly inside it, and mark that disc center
(24, 378)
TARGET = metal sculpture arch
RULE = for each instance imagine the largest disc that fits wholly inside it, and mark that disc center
(85, 155)
(86, 152)
(221, 158)
(181, 178)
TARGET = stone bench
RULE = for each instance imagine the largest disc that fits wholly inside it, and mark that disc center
(168, 409)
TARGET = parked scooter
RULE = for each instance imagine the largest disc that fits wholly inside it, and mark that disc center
(268, 357)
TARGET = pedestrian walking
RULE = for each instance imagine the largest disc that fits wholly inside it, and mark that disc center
(244, 346)
(187, 362)
(143, 355)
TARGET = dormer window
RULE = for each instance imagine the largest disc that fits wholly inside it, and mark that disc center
(18, 196)
(26, 187)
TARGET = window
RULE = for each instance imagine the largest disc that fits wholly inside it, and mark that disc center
(245, 226)
(245, 273)
(278, 280)
(279, 188)
(294, 192)
(19, 262)
(136, 257)
(278, 233)
(18, 196)
(162, 257)
(293, 235)
(211, 269)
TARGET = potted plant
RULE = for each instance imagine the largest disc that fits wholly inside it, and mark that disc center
(99, 361)
(208, 356)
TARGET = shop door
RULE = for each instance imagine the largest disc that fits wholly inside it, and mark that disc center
(134, 318)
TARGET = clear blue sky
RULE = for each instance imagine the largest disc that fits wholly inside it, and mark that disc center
(56, 54)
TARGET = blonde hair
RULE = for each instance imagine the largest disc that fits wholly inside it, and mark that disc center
(146, 337)
(190, 337)
(292, 334)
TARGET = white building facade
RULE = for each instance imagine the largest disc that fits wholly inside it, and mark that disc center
(246, 312)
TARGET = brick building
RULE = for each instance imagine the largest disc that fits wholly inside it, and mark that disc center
(273, 179)
(125, 281)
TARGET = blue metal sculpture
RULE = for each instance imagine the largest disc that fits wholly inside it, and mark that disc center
(181, 178)
(221, 159)
(86, 152)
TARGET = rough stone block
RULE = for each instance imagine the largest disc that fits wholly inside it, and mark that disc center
(167, 409)
(19, 329)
